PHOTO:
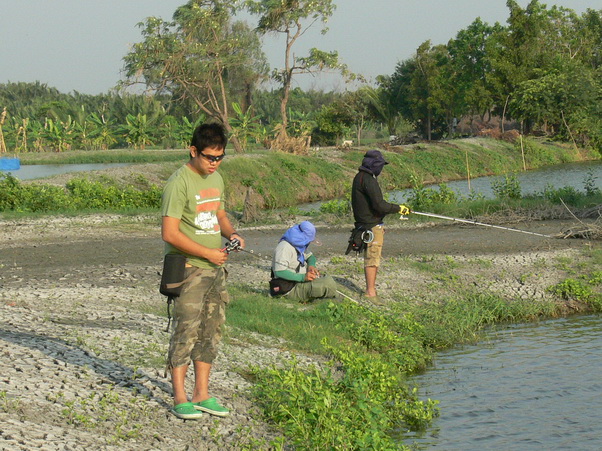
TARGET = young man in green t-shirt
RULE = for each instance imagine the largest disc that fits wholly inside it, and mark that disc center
(193, 223)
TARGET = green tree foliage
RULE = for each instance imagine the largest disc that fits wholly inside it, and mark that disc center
(469, 57)
(198, 56)
(41, 118)
(333, 123)
(541, 69)
(291, 18)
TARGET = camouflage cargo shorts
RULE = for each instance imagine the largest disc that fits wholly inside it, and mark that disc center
(199, 313)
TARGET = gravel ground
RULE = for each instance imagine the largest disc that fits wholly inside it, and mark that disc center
(82, 340)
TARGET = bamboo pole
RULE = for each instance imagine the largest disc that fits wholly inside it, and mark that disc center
(522, 151)
(2, 143)
(467, 170)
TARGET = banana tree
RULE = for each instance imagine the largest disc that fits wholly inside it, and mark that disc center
(102, 131)
(137, 131)
(245, 125)
(58, 135)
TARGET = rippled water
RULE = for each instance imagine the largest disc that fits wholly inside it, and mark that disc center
(531, 387)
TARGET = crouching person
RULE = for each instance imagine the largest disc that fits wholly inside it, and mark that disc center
(294, 272)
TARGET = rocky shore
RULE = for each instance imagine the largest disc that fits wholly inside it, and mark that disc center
(83, 335)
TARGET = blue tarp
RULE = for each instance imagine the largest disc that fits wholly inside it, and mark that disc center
(9, 164)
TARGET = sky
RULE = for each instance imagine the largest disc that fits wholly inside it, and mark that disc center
(78, 45)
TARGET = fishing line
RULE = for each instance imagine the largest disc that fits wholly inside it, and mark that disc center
(468, 221)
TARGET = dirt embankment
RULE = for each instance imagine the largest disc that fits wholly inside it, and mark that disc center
(79, 312)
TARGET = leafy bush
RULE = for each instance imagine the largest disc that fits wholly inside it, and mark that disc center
(567, 194)
(78, 194)
(506, 188)
(15, 196)
(337, 207)
(424, 198)
(579, 290)
(589, 185)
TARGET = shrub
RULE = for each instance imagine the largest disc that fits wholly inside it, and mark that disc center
(424, 198)
(79, 194)
(506, 188)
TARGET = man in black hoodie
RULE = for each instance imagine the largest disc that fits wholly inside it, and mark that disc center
(369, 210)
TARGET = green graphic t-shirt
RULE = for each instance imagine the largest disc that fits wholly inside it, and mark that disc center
(195, 200)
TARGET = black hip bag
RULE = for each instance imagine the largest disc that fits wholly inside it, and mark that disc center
(172, 278)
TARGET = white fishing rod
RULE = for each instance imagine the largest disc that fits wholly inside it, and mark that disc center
(468, 221)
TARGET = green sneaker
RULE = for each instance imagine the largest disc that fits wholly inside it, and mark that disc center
(186, 411)
(211, 406)
(375, 300)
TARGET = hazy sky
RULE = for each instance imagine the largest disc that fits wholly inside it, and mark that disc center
(79, 44)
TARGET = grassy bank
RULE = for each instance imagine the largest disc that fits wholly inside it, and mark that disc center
(282, 180)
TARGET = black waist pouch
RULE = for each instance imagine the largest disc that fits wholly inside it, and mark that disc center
(174, 266)
(279, 286)
(357, 241)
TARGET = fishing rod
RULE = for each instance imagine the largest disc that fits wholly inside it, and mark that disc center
(234, 246)
(468, 221)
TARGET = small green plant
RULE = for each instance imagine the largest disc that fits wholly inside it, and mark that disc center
(572, 289)
(506, 188)
(589, 184)
(595, 278)
(567, 194)
(8, 404)
(338, 207)
(337, 259)
(425, 198)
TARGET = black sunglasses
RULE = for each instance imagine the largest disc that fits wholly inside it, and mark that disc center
(213, 158)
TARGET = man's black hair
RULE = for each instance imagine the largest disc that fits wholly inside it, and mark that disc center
(208, 136)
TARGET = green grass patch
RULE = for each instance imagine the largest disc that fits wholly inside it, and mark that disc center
(302, 326)
(284, 180)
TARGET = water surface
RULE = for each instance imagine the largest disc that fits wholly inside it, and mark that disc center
(531, 182)
(36, 171)
(531, 387)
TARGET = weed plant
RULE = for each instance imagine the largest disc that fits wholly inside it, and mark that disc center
(584, 289)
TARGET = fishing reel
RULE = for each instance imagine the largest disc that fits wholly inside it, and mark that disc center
(233, 245)
(367, 236)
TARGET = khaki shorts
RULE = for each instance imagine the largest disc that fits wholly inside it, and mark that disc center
(375, 247)
(198, 316)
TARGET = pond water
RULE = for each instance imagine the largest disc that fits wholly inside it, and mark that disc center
(529, 387)
(531, 182)
(36, 171)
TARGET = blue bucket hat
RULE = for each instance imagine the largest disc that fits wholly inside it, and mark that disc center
(300, 236)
